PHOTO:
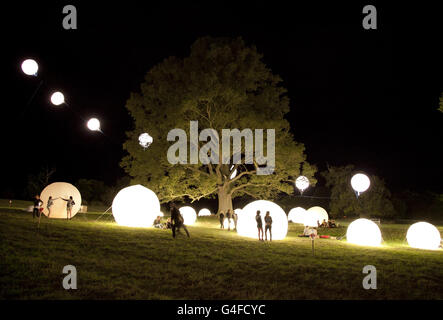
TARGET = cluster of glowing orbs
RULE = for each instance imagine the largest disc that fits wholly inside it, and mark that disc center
(93, 124)
(204, 212)
(423, 235)
(364, 232)
(57, 98)
(30, 67)
(189, 215)
(302, 183)
(297, 215)
(247, 226)
(145, 140)
(59, 191)
(135, 206)
(360, 182)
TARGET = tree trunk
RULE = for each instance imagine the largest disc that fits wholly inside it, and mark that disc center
(224, 199)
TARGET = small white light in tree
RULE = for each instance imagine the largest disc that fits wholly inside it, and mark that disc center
(302, 183)
(145, 140)
(364, 232)
(57, 98)
(204, 212)
(30, 67)
(189, 215)
(93, 124)
(423, 235)
(360, 183)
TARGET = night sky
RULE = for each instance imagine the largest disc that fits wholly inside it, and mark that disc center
(362, 97)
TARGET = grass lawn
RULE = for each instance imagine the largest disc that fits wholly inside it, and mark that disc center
(116, 262)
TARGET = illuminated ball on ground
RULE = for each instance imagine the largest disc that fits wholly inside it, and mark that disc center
(135, 206)
(59, 191)
(317, 214)
(423, 235)
(57, 98)
(93, 124)
(204, 212)
(30, 67)
(360, 182)
(189, 215)
(364, 232)
(247, 226)
(297, 215)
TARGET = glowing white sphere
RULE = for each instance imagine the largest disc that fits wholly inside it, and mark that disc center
(360, 182)
(204, 212)
(238, 211)
(233, 174)
(315, 215)
(57, 98)
(247, 226)
(302, 183)
(30, 67)
(93, 124)
(297, 215)
(59, 191)
(145, 140)
(135, 206)
(364, 232)
(189, 215)
(423, 235)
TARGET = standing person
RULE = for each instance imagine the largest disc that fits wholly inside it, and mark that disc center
(222, 220)
(235, 218)
(69, 205)
(37, 204)
(49, 204)
(229, 217)
(268, 226)
(259, 225)
(177, 221)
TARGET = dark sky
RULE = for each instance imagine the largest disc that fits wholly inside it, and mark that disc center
(362, 97)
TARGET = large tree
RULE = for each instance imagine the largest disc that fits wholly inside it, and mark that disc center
(222, 84)
(375, 202)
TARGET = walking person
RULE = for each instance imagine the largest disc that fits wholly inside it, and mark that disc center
(222, 220)
(69, 205)
(37, 204)
(268, 226)
(177, 221)
(229, 217)
(259, 225)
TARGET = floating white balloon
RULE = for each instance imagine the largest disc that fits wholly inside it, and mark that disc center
(135, 206)
(30, 67)
(423, 235)
(360, 182)
(302, 183)
(93, 124)
(364, 232)
(189, 215)
(57, 98)
(145, 140)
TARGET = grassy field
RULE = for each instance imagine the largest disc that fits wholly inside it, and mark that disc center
(116, 262)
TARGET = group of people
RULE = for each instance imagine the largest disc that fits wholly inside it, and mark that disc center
(268, 225)
(37, 210)
(327, 224)
(230, 216)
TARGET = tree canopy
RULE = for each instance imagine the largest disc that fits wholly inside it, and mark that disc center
(222, 84)
(374, 202)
